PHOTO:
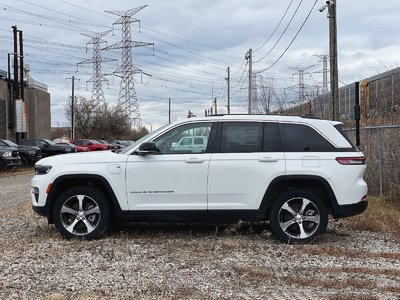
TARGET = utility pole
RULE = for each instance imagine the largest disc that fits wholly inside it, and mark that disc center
(229, 90)
(215, 105)
(249, 57)
(21, 62)
(333, 59)
(16, 88)
(169, 110)
(73, 107)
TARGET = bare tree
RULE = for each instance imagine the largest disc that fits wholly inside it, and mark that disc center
(268, 100)
(91, 122)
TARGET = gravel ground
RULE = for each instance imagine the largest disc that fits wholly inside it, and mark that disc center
(159, 261)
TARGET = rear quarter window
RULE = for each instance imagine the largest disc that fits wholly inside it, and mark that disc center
(302, 138)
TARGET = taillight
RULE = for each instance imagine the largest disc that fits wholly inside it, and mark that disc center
(351, 160)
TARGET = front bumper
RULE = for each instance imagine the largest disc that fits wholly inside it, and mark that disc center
(41, 210)
(12, 161)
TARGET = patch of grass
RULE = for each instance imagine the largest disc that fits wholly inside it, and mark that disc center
(382, 215)
(14, 171)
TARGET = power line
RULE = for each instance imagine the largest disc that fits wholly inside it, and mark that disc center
(282, 34)
(291, 42)
(276, 28)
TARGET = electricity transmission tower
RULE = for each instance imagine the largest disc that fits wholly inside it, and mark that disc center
(127, 100)
(301, 85)
(324, 59)
(98, 77)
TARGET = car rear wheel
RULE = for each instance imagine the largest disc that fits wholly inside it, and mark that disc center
(81, 212)
(298, 216)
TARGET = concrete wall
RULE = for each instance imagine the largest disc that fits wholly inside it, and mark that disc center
(39, 114)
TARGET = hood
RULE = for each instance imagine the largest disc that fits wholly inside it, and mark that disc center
(24, 147)
(7, 149)
(83, 158)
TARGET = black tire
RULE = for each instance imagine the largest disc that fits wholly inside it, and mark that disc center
(24, 161)
(298, 216)
(88, 220)
(2, 166)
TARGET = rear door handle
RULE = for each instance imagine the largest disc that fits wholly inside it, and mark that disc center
(268, 159)
(194, 161)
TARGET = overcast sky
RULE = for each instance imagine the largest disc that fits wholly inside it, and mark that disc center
(195, 42)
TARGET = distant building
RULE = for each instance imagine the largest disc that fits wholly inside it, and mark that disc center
(37, 115)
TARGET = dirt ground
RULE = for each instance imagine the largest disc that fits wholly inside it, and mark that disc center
(169, 261)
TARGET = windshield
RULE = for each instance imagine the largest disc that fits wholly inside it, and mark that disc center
(49, 142)
(134, 144)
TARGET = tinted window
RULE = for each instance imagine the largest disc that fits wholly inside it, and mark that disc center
(241, 137)
(179, 139)
(300, 138)
(186, 141)
(198, 141)
(272, 142)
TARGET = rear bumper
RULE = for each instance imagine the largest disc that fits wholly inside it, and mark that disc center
(343, 211)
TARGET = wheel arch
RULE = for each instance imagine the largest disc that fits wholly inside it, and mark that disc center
(312, 183)
(66, 182)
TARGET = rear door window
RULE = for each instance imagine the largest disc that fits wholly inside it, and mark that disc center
(241, 137)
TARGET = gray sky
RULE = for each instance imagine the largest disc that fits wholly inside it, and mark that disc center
(195, 42)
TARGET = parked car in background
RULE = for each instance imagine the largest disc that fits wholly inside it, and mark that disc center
(121, 143)
(28, 154)
(191, 143)
(48, 147)
(9, 157)
(111, 146)
(93, 145)
(77, 148)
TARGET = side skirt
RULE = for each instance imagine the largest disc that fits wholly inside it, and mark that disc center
(192, 216)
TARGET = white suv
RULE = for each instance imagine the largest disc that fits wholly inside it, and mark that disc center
(292, 171)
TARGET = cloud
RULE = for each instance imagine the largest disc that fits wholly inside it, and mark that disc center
(195, 42)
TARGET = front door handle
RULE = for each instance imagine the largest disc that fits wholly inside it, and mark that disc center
(194, 161)
(268, 159)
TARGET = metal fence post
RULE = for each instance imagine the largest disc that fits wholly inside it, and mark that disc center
(380, 162)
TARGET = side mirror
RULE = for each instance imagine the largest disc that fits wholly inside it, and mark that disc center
(90, 143)
(45, 146)
(147, 148)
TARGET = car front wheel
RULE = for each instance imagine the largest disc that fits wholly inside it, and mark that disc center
(298, 216)
(81, 212)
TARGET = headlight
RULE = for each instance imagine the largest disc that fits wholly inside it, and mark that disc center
(7, 154)
(31, 152)
(67, 149)
(42, 170)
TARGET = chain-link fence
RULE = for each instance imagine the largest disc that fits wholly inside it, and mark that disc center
(381, 146)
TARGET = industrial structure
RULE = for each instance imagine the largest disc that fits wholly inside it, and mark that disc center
(127, 99)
